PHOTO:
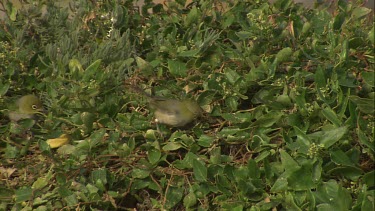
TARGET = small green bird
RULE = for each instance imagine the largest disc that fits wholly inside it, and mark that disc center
(27, 106)
(172, 112)
(175, 113)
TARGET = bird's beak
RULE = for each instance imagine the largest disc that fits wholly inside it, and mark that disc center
(43, 111)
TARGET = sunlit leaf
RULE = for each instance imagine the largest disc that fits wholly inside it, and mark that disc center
(170, 146)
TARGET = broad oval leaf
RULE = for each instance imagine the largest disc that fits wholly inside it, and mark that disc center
(200, 171)
(153, 155)
(177, 68)
(171, 146)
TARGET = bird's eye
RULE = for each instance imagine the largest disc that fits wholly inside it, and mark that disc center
(34, 107)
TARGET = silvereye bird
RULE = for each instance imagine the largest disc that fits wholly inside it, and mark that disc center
(175, 113)
(27, 106)
(172, 112)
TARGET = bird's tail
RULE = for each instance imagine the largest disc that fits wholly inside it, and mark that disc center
(139, 90)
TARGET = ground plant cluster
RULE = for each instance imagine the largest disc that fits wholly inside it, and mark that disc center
(287, 94)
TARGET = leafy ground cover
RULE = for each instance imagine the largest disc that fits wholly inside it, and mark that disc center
(288, 94)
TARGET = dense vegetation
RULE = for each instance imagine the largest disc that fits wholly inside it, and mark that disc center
(288, 94)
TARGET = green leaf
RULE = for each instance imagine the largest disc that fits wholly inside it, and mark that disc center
(340, 158)
(301, 179)
(360, 12)
(237, 208)
(331, 116)
(344, 51)
(206, 97)
(99, 174)
(319, 77)
(371, 35)
(317, 171)
(228, 20)
(302, 138)
(153, 155)
(171, 146)
(151, 134)
(231, 102)
(262, 156)
(223, 182)
(140, 173)
(365, 200)
(189, 53)
(205, 141)
(339, 20)
(254, 171)
(91, 70)
(88, 120)
(142, 64)
(177, 68)
(200, 171)
(231, 75)
(281, 184)
(71, 200)
(350, 172)
(332, 136)
(284, 100)
(290, 203)
(40, 183)
(94, 66)
(75, 66)
(11, 151)
(92, 189)
(4, 88)
(13, 13)
(365, 141)
(91, 142)
(140, 184)
(369, 78)
(21, 126)
(306, 28)
(283, 55)
(268, 119)
(23, 194)
(188, 160)
(241, 173)
(190, 200)
(289, 164)
(64, 191)
(365, 105)
(369, 178)
(215, 155)
(237, 117)
(244, 34)
(192, 17)
(173, 197)
(331, 195)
